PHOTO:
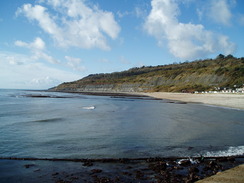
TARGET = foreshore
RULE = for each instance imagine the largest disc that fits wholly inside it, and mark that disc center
(126, 170)
(217, 99)
(145, 170)
(229, 100)
(234, 175)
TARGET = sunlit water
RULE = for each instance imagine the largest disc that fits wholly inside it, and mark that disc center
(82, 126)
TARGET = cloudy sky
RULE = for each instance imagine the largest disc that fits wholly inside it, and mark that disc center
(46, 42)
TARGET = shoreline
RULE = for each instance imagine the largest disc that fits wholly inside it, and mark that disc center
(229, 100)
(114, 170)
(117, 160)
(138, 169)
(234, 101)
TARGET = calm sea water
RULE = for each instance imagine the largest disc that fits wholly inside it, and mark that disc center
(81, 126)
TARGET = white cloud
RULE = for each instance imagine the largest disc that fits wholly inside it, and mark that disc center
(72, 23)
(43, 81)
(39, 13)
(199, 13)
(13, 61)
(185, 41)
(140, 11)
(74, 63)
(37, 48)
(220, 12)
(29, 74)
(123, 14)
(37, 44)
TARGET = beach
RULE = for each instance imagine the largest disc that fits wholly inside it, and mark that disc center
(235, 101)
(74, 130)
(217, 99)
(229, 100)
(234, 175)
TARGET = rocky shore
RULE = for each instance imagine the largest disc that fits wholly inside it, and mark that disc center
(113, 170)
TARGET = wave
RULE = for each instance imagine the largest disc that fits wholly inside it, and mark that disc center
(231, 151)
(48, 120)
(89, 107)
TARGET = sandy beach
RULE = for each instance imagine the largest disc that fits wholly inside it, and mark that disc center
(218, 99)
(232, 175)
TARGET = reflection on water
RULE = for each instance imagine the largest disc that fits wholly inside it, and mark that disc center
(75, 126)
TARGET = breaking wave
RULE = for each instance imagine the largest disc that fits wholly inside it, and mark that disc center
(231, 151)
(89, 107)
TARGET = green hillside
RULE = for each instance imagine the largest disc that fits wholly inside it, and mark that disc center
(200, 75)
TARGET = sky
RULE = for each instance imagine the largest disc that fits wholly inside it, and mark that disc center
(47, 42)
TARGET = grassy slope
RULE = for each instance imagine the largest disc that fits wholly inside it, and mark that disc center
(189, 76)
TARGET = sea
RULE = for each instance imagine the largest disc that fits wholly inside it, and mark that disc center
(40, 124)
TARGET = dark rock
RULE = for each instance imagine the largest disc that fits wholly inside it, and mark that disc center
(123, 160)
(206, 168)
(179, 102)
(231, 159)
(201, 159)
(103, 180)
(139, 174)
(170, 102)
(117, 179)
(96, 171)
(194, 170)
(223, 159)
(54, 174)
(149, 160)
(213, 164)
(29, 165)
(193, 177)
(177, 167)
(127, 173)
(158, 166)
(74, 178)
(88, 163)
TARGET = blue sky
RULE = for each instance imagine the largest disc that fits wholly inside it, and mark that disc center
(46, 42)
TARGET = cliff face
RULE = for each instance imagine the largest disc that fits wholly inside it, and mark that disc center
(198, 75)
(129, 87)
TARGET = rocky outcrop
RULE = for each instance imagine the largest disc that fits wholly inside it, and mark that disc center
(137, 87)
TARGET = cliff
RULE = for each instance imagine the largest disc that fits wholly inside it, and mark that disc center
(198, 75)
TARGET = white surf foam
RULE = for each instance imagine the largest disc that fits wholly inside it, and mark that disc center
(231, 151)
(89, 107)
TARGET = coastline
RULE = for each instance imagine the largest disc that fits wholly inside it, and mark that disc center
(153, 169)
(235, 101)
(145, 170)
(228, 100)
